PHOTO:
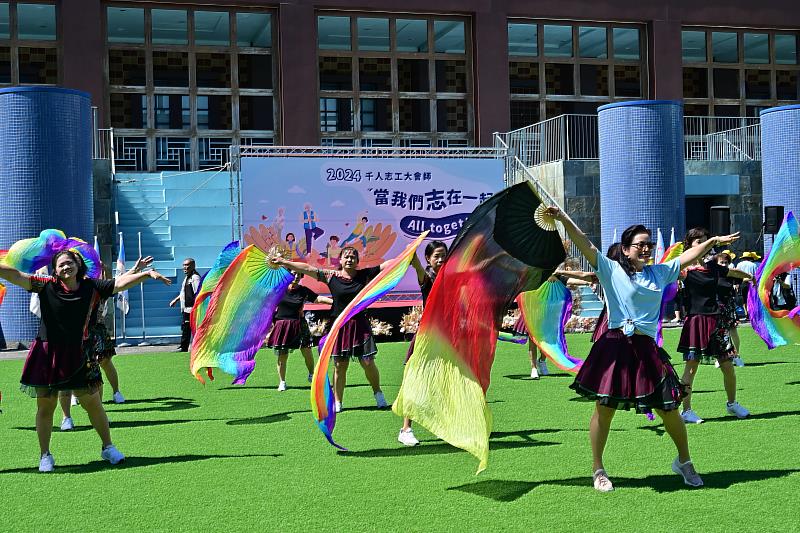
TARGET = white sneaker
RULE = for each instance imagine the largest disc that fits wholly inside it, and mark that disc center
(675, 320)
(738, 361)
(282, 386)
(74, 400)
(543, 368)
(687, 472)
(47, 463)
(118, 397)
(690, 417)
(380, 401)
(337, 407)
(407, 437)
(310, 378)
(736, 409)
(601, 481)
(534, 373)
(67, 424)
(111, 454)
(716, 363)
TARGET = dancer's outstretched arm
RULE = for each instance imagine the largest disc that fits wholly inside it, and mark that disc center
(12, 275)
(693, 254)
(126, 281)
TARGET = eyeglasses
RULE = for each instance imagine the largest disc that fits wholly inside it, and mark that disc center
(643, 245)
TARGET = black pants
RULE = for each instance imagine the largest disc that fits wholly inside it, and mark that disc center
(186, 332)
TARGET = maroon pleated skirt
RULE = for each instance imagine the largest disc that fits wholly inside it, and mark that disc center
(704, 338)
(624, 372)
(355, 339)
(290, 334)
(51, 367)
(601, 326)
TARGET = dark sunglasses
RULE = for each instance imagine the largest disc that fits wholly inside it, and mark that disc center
(643, 245)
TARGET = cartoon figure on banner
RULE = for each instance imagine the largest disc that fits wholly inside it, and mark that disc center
(310, 227)
(358, 232)
(331, 252)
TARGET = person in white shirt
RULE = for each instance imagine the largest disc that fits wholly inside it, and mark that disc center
(189, 288)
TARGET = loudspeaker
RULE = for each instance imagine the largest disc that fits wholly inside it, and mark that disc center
(773, 218)
(720, 220)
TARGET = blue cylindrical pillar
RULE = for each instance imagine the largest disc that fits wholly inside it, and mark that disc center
(45, 178)
(641, 167)
(780, 164)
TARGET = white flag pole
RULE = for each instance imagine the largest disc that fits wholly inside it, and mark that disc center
(141, 297)
(121, 271)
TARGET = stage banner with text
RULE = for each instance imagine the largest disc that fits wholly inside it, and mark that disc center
(316, 206)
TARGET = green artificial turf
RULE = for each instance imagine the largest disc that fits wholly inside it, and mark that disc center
(219, 457)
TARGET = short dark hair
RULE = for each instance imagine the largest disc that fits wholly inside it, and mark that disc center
(334, 238)
(76, 258)
(432, 246)
(694, 234)
(290, 233)
(351, 249)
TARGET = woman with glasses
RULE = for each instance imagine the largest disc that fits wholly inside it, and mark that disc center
(625, 368)
(704, 337)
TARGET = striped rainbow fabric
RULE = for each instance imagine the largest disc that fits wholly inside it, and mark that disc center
(321, 391)
(670, 291)
(777, 328)
(239, 314)
(210, 281)
(29, 255)
(546, 311)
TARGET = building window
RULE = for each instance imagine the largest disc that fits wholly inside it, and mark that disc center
(557, 68)
(738, 72)
(185, 81)
(29, 44)
(393, 81)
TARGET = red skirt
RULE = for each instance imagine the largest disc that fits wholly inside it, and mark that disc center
(704, 338)
(52, 367)
(290, 334)
(601, 327)
(355, 339)
(624, 372)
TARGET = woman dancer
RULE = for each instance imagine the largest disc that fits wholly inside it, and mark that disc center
(704, 336)
(61, 357)
(727, 291)
(435, 254)
(625, 368)
(355, 338)
(290, 329)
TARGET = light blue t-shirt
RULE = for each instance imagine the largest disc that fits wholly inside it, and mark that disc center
(636, 300)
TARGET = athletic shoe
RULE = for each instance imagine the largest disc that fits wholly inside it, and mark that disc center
(118, 397)
(737, 410)
(716, 363)
(690, 417)
(337, 407)
(687, 472)
(407, 437)
(310, 378)
(534, 373)
(282, 386)
(111, 454)
(380, 401)
(601, 481)
(675, 320)
(543, 368)
(47, 463)
(67, 424)
(74, 400)
(738, 361)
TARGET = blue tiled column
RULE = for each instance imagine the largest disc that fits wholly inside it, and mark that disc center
(641, 167)
(45, 178)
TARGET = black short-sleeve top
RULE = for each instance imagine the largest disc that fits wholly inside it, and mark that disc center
(427, 284)
(701, 287)
(66, 314)
(291, 306)
(344, 290)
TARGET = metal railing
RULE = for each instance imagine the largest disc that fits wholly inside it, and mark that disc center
(738, 144)
(568, 137)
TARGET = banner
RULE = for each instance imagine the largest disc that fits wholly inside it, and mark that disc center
(314, 207)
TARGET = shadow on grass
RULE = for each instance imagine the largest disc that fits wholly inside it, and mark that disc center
(768, 363)
(117, 424)
(794, 383)
(275, 388)
(163, 399)
(710, 391)
(757, 416)
(269, 419)
(439, 447)
(527, 377)
(510, 490)
(166, 405)
(132, 462)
